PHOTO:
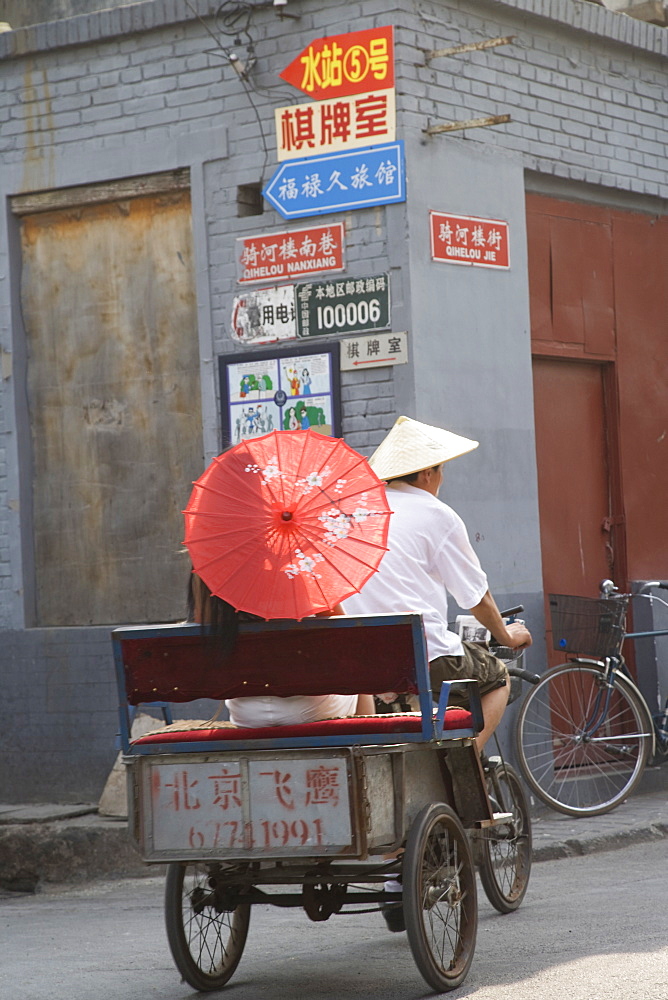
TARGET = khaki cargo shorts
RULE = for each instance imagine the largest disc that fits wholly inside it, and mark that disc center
(476, 663)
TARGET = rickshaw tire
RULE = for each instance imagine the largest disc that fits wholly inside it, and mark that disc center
(505, 854)
(206, 944)
(439, 896)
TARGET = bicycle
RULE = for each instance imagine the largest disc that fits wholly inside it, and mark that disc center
(585, 733)
(503, 852)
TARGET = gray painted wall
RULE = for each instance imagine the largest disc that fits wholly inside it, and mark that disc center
(144, 88)
(21, 13)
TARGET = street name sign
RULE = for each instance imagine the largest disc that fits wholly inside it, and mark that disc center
(292, 254)
(339, 182)
(466, 239)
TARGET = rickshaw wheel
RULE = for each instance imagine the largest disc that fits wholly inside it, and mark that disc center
(505, 852)
(206, 942)
(440, 900)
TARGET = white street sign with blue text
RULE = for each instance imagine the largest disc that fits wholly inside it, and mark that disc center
(338, 182)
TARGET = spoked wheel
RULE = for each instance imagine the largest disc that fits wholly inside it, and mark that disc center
(440, 900)
(206, 941)
(504, 851)
(583, 742)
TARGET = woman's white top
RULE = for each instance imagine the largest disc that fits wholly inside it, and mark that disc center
(272, 711)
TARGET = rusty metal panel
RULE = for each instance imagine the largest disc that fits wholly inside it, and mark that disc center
(571, 275)
(566, 254)
(641, 298)
(540, 278)
(114, 401)
(597, 289)
(573, 478)
(616, 267)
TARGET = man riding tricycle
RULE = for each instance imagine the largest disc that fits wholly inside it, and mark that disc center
(307, 798)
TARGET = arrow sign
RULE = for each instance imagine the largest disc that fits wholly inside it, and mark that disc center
(379, 349)
(342, 65)
(338, 182)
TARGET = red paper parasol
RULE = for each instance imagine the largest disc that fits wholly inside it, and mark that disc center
(287, 525)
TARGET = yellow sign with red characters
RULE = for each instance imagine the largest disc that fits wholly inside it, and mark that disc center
(344, 65)
(330, 126)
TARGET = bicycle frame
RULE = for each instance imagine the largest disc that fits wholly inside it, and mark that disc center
(611, 667)
(608, 589)
(583, 749)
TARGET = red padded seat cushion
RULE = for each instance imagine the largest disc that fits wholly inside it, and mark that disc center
(359, 725)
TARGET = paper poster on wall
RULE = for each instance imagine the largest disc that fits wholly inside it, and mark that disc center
(280, 390)
(264, 315)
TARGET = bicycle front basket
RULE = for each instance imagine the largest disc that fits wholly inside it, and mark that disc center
(587, 625)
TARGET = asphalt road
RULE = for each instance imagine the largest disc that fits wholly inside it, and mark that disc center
(590, 928)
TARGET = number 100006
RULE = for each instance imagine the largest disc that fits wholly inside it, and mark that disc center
(352, 314)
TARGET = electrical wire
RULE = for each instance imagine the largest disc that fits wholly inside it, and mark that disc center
(232, 19)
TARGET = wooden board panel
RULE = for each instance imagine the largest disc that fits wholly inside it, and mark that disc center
(114, 401)
(573, 479)
(571, 277)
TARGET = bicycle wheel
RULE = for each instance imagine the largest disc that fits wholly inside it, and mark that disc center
(440, 900)
(583, 742)
(206, 942)
(504, 851)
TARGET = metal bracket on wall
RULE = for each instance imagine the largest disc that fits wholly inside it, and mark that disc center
(455, 50)
(469, 123)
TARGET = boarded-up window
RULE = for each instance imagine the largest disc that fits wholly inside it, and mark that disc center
(114, 405)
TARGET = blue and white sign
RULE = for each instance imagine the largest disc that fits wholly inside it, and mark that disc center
(338, 182)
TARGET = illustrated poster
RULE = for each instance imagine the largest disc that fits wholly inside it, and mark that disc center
(284, 392)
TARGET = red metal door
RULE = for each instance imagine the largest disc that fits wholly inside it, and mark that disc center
(575, 486)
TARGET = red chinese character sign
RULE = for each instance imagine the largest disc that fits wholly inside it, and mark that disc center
(465, 239)
(328, 126)
(344, 65)
(289, 255)
(296, 806)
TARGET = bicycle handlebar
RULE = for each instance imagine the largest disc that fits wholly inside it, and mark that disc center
(652, 584)
(526, 675)
(608, 589)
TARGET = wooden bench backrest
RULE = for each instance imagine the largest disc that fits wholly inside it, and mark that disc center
(352, 655)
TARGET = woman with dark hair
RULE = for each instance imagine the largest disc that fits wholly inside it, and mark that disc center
(269, 710)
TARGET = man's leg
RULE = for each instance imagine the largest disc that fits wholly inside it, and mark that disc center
(478, 664)
(493, 706)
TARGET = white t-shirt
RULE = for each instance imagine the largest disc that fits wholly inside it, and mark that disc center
(429, 554)
(269, 710)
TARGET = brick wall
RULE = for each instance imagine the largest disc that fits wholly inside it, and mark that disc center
(583, 84)
(584, 87)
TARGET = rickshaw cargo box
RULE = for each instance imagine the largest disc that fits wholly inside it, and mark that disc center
(291, 803)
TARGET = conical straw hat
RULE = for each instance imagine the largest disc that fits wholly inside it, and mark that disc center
(412, 446)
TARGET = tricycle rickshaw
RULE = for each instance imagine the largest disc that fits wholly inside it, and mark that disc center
(317, 815)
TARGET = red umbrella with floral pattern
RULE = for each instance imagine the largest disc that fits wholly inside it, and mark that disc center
(287, 525)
